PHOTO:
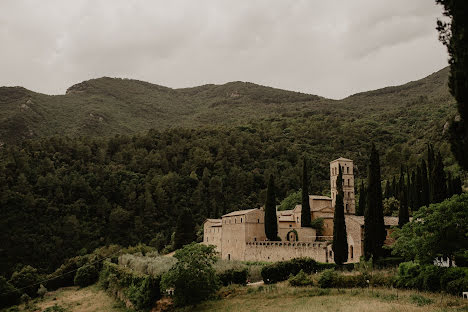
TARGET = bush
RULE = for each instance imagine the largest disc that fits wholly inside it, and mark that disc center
(301, 279)
(64, 276)
(409, 275)
(456, 287)
(449, 275)
(86, 275)
(26, 278)
(430, 275)
(280, 271)
(9, 295)
(41, 291)
(381, 280)
(328, 278)
(234, 276)
(141, 289)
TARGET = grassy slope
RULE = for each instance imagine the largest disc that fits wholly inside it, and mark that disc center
(285, 298)
(109, 106)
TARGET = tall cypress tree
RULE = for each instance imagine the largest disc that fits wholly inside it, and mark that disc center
(401, 184)
(453, 35)
(418, 189)
(403, 214)
(413, 191)
(362, 200)
(439, 186)
(450, 190)
(340, 240)
(457, 186)
(305, 211)
(394, 187)
(185, 229)
(387, 192)
(374, 226)
(271, 223)
(426, 195)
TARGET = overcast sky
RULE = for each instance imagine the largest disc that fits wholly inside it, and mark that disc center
(331, 48)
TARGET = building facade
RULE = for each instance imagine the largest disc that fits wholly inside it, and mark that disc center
(240, 235)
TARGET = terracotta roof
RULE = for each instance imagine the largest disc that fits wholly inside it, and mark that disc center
(217, 222)
(239, 212)
(340, 159)
(320, 197)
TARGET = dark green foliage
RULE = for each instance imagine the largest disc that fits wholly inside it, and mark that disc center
(305, 211)
(403, 212)
(340, 237)
(388, 190)
(374, 227)
(9, 295)
(86, 275)
(327, 278)
(185, 229)
(142, 290)
(439, 184)
(333, 279)
(301, 279)
(234, 276)
(425, 189)
(442, 233)
(362, 200)
(453, 35)
(192, 277)
(26, 280)
(428, 277)
(271, 223)
(318, 225)
(280, 271)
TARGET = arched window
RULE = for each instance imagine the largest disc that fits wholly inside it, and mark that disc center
(241, 220)
(351, 251)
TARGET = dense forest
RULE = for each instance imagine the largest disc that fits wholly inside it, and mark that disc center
(76, 184)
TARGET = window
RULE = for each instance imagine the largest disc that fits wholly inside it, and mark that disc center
(347, 169)
(347, 209)
(348, 182)
(207, 239)
(351, 251)
(290, 225)
(235, 220)
(258, 220)
(241, 220)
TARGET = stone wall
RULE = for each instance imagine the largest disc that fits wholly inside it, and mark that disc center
(279, 251)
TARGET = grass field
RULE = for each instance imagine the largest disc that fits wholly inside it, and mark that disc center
(282, 297)
(73, 299)
(271, 298)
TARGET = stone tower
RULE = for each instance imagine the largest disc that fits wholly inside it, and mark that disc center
(348, 183)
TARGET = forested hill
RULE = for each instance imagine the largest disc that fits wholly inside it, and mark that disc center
(109, 106)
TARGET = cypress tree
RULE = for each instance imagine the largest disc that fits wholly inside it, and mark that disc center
(401, 184)
(413, 191)
(362, 200)
(425, 194)
(185, 229)
(387, 192)
(340, 241)
(305, 211)
(430, 160)
(450, 190)
(418, 189)
(271, 223)
(453, 35)
(457, 186)
(394, 187)
(409, 198)
(439, 186)
(403, 214)
(374, 227)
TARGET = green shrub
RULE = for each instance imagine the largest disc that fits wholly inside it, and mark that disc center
(9, 295)
(430, 275)
(328, 278)
(381, 280)
(143, 293)
(234, 276)
(420, 300)
(449, 275)
(64, 276)
(456, 287)
(301, 279)
(409, 275)
(86, 275)
(280, 271)
(26, 278)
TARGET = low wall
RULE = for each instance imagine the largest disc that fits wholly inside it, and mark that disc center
(279, 251)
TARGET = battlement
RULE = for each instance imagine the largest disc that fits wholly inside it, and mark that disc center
(280, 251)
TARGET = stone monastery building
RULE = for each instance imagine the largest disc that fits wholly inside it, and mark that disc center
(240, 235)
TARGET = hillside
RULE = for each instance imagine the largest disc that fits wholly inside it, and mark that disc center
(109, 106)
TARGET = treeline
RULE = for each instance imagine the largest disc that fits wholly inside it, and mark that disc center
(428, 183)
(61, 197)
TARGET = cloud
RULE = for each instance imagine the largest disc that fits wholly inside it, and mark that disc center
(331, 48)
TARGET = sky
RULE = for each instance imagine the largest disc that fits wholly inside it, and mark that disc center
(331, 48)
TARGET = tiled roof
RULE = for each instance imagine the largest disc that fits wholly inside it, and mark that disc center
(341, 159)
(239, 212)
(320, 197)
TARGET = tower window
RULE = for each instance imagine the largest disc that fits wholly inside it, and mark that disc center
(348, 182)
(347, 169)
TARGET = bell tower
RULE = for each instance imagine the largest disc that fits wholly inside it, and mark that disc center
(348, 183)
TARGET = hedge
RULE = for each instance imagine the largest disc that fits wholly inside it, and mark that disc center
(141, 289)
(432, 278)
(280, 271)
(233, 276)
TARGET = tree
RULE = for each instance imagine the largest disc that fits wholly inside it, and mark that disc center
(26, 279)
(439, 184)
(418, 189)
(340, 240)
(387, 192)
(362, 200)
(403, 213)
(291, 201)
(185, 229)
(305, 210)
(425, 189)
(271, 223)
(374, 227)
(435, 231)
(193, 277)
(453, 35)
